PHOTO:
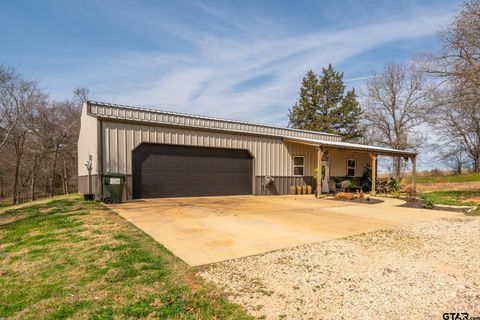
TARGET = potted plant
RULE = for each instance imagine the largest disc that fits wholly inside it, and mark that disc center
(309, 189)
(299, 189)
(293, 189)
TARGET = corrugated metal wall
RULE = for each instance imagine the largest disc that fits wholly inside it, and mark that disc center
(161, 117)
(338, 162)
(272, 156)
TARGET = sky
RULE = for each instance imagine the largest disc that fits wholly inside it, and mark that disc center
(240, 60)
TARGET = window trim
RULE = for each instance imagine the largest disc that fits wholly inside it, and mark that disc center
(354, 167)
(299, 166)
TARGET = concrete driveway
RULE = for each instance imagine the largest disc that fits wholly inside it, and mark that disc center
(212, 229)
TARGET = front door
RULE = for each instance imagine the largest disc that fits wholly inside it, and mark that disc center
(325, 176)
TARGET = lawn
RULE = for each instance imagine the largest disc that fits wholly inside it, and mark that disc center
(468, 177)
(455, 198)
(68, 258)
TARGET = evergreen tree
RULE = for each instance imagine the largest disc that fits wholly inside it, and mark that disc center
(347, 117)
(304, 113)
(322, 105)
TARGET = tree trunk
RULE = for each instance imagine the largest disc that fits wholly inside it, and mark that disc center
(459, 168)
(476, 162)
(32, 184)
(15, 182)
(397, 167)
(65, 178)
(2, 192)
(52, 179)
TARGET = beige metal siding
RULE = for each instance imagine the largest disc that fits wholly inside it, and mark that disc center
(338, 162)
(88, 141)
(272, 156)
(182, 120)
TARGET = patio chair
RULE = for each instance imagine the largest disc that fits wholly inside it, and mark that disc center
(344, 185)
(332, 187)
(382, 186)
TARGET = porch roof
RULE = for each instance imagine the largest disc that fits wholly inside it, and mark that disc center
(353, 146)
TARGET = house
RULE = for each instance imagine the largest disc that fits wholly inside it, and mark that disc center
(169, 154)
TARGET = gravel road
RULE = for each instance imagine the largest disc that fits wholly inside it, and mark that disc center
(413, 272)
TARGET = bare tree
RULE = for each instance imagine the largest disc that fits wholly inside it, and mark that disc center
(455, 97)
(394, 108)
(455, 158)
(18, 97)
(14, 94)
(80, 95)
(38, 139)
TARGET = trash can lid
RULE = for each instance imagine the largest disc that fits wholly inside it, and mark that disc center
(115, 175)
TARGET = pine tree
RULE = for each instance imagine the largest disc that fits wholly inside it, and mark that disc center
(322, 105)
(348, 115)
(304, 113)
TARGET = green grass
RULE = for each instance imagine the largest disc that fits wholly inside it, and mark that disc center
(468, 177)
(74, 259)
(454, 198)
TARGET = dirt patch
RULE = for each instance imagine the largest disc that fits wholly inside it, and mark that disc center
(420, 204)
(471, 199)
(448, 186)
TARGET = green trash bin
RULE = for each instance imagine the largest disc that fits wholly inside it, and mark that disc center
(113, 187)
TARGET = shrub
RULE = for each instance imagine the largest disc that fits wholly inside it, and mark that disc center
(427, 203)
(395, 193)
(409, 191)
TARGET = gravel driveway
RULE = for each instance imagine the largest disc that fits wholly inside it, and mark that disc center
(416, 271)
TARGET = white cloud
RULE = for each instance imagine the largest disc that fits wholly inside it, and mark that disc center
(203, 76)
(204, 81)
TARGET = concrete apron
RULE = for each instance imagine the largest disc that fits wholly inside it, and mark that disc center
(212, 229)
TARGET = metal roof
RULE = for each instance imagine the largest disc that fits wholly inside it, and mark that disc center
(174, 113)
(121, 112)
(355, 146)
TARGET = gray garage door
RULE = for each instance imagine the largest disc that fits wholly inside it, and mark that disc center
(183, 171)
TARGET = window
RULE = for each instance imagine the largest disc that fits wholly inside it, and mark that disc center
(298, 165)
(351, 167)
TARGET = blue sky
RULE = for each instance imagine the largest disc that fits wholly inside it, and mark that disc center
(236, 59)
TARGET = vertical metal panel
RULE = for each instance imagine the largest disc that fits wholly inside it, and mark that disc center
(273, 156)
(338, 162)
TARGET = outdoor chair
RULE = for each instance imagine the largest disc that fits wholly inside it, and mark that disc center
(344, 185)
(382, 186)
(332, 187)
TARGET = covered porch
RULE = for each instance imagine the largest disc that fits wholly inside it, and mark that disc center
(326, 161)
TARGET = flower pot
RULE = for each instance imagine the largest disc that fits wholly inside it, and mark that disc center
(293, 189)
(299, 189)
(88, 197)
(304, 189)
(309, 189)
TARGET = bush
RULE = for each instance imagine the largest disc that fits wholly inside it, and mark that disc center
(395, 185)
(395, 193)
(427, 203)
(409, 191)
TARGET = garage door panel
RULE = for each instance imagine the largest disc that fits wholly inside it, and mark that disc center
(173, 163)
(176, 171)
(199, 164)
(199, 178)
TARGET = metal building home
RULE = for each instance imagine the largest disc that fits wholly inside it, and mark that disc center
(167, 154)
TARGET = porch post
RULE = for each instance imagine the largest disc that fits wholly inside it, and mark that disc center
(319, 166)
(373, 156)
(414, 174)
